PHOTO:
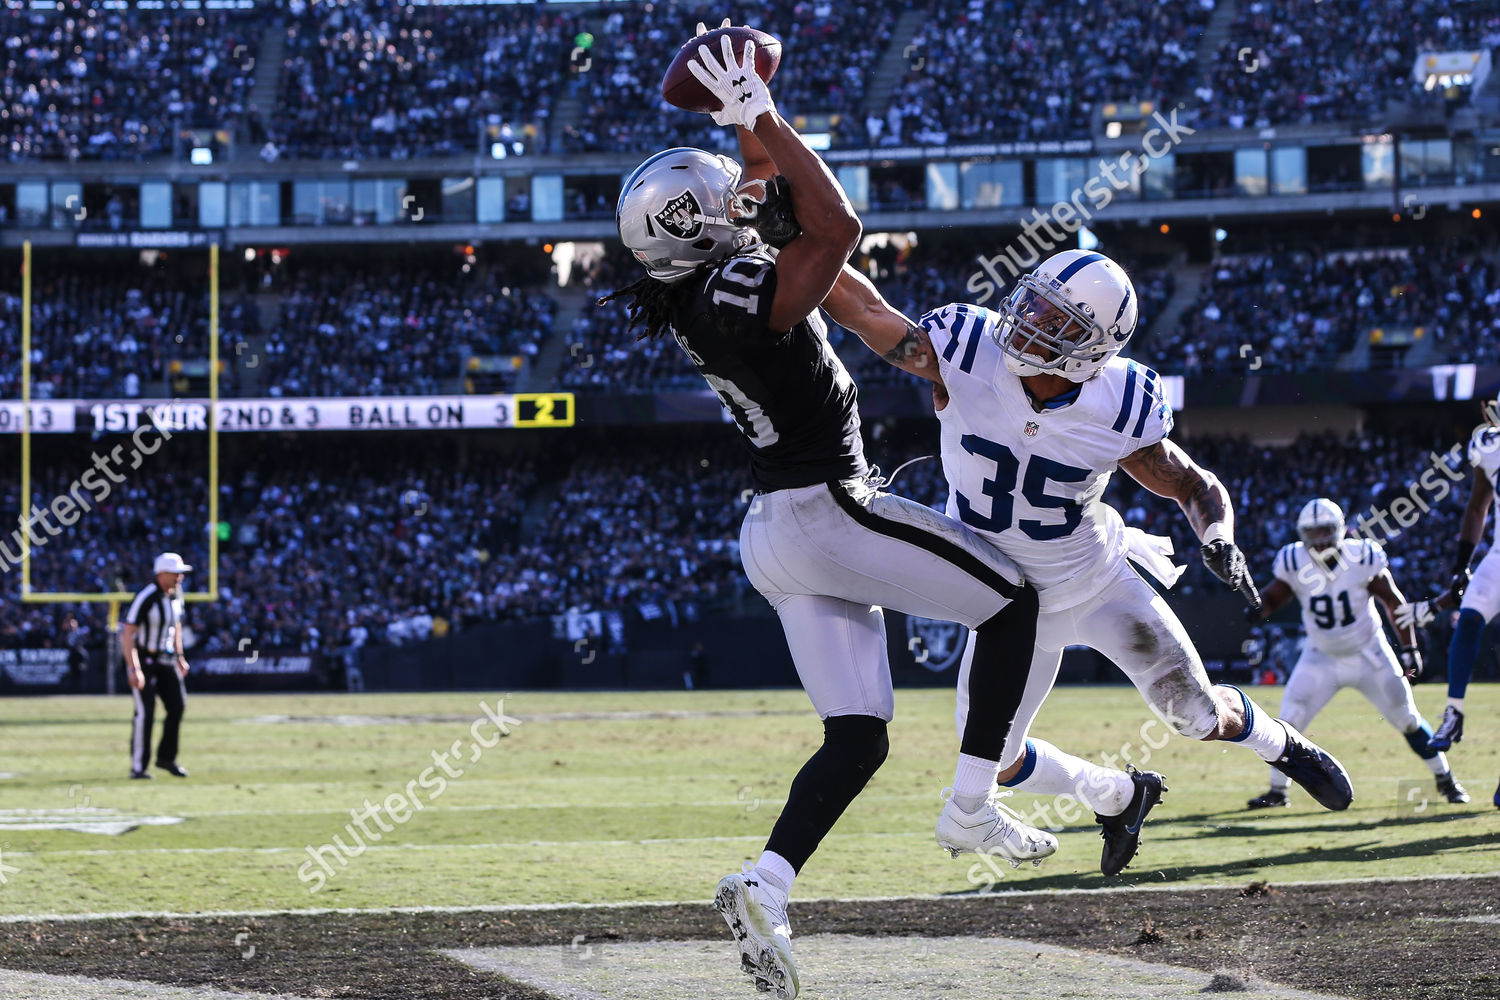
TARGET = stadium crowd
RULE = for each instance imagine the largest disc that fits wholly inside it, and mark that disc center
(1300, 310)
(1308, 61)
(389, 79)
(331, 545)
(109, 82)
(977, 73)
(108, 331)
(394, 328)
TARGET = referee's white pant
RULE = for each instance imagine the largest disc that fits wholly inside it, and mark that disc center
(830, 557)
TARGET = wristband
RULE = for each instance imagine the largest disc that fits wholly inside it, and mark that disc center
(1216, 533)
(1465, 553)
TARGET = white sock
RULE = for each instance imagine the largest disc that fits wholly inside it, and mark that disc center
(1457, 704)
(972, 781)
(1279, 782)
(776, 871)
(1046, 770)
(1438, 765)
(1263, 734)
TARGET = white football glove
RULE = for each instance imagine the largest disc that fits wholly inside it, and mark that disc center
(735, 83)
(1415, 614)
(703, 28)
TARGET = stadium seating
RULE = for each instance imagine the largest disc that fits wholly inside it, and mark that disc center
(94, 81)
(394, 328)
(1035, 70)
(1306, 61)
(101, 332)
(387, 79)
(1301, 310)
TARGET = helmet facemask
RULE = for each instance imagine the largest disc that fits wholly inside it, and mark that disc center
(1042, 333)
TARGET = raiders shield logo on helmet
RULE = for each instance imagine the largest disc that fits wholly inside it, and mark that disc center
(683, 217)
(936, 645)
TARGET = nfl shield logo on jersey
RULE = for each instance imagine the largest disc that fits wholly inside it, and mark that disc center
(935, 645)
(682, 217)
(1031, 428)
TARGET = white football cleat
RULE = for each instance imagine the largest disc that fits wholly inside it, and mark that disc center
(756, 915)
(994, 829)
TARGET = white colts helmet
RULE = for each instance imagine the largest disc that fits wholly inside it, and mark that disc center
(674, 211)
(1068, 317)
(1321, 525)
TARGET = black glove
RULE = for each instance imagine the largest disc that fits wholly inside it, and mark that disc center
(1226, 561)
(774, 219)
(1456, 587)
(1411, 661)
(1255, 615)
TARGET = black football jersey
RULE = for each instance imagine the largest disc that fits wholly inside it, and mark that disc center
(793, 401)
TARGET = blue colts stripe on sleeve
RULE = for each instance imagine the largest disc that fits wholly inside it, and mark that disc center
(1127, 406)
(974, 332)
(1147, 404)
(957, 331)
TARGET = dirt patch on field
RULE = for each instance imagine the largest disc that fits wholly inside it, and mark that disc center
(1370, 940)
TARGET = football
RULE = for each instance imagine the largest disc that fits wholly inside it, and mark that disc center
(682, 89)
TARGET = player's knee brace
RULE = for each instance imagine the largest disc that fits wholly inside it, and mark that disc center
(859, 740)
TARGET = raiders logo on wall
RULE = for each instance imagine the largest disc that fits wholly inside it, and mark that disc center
(935, 645)
(683, 217)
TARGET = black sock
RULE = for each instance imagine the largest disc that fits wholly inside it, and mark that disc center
(1003, 649)
(854, 747)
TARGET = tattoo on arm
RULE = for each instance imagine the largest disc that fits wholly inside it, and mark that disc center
(908, 347)
(913, 352)
(1167, 473)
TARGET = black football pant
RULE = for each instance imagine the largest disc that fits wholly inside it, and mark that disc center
(161, 680)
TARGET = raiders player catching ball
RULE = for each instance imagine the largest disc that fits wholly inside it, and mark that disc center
(737, 282)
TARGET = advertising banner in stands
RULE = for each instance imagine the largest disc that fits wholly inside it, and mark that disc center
(36, 669)
(382, 413)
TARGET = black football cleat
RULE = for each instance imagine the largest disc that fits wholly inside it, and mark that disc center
(1451, 789)
(174, 768)
(1271, 800)
(1122, 833)
(142, 775)
(1316, 770)
(1449, 731)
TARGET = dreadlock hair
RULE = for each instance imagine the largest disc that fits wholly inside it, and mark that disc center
(652, 301)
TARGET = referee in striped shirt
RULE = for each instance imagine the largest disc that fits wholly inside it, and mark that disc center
(152, 639)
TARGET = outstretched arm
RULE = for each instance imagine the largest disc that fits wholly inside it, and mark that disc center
(1166, 470)
(809, 265)
(855, 305)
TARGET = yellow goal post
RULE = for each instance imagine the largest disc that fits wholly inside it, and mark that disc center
(114, 598)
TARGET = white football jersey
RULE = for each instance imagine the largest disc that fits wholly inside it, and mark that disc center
(1337, 609)
(1031, 481)
(1484, 454)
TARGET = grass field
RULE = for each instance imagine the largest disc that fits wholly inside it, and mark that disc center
(618, 797)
